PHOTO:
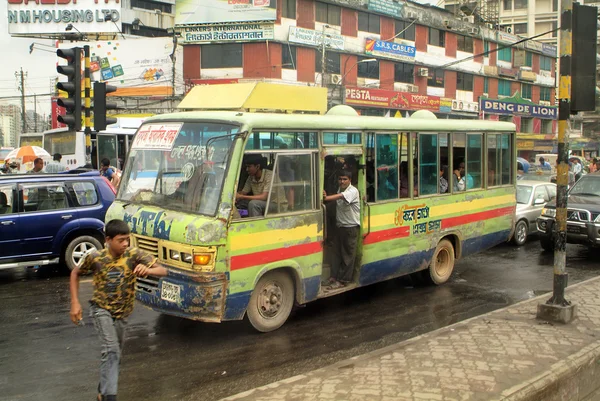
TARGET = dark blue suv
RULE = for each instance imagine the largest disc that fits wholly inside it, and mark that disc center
(51, 218)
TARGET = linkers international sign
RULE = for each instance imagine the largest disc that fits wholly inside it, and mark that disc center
(52, 16)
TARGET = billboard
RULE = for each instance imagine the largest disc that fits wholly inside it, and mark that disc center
(393, 50)
(129, 64)
(311, 37)
(219, 11)
(391, 99)
(508, 107)
(52, 17)
(227, 32)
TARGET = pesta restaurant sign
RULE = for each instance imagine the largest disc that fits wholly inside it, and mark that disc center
(33, 17)
(387, 99)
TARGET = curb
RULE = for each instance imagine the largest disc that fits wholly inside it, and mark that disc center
(526, 391)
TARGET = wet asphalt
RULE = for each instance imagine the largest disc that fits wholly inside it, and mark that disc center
(43, 356)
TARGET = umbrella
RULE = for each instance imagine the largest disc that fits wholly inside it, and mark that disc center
(27, 153)
(523, 163)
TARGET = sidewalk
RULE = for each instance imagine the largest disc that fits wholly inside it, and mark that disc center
(503, 355)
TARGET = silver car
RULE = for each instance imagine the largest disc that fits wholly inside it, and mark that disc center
(531, 198)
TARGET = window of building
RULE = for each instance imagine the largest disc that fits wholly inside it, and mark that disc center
(465, 44)
(221, 55)
(486, 48)
(405, 30)
(545, 63)
(464, 82)
(288, 9)
(554, 29)
(437, 37)
(387, 166)
(368, 22)
(520, 4)
(526, 124)
(526, 91)
(545, 93)
(520, 29)
(529, 59)
(151, 5)
(328, 13)
(436, 78)
(332, 63)
(503, 87)
(546, 127)
(505, 54)
(288, 57)
(403, 73)
(486, 85)
(507, 4)
(367, 70)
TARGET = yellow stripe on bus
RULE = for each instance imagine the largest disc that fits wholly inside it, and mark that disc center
(271, 237)
(441, 211)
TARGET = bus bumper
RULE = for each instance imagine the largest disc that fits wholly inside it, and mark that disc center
(191, 295)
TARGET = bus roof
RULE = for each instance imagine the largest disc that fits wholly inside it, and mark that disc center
(336, 122)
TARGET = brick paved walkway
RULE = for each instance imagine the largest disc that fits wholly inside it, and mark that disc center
(501, 355)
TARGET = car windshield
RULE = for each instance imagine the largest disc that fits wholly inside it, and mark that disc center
(587, 186)
(178, 165)
(523, 193)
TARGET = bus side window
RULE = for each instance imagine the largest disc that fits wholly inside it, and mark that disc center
(387, 166)
(474, 161)
(428, 164)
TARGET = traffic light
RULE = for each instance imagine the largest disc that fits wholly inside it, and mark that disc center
(583, 62)
(72, 103)
(101, 105)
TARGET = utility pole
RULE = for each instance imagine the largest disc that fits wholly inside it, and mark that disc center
(21, 76)
(35, 125)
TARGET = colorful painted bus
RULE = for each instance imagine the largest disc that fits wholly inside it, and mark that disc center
(224, 265)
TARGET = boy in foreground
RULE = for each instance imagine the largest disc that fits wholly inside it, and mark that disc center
(115, 269)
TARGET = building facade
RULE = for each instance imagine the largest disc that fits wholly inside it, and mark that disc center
(10, 124)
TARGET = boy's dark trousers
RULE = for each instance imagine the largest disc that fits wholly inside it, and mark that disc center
(111, 332)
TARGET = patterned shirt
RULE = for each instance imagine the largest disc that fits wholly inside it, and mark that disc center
(114, 281)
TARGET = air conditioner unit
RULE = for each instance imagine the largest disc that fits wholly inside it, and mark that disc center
(412, 88)
(334, 79)
(469, 18)
(411, 15)
(476, 107)
(473, 30)
(360, 81)
(525, 68)
(544, 103)
(423, 72)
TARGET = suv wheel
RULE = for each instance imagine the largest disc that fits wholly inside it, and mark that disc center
(547, 243)
(78, 248)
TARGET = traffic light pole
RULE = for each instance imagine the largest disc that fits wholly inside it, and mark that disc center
(557, 308)
(87, 105)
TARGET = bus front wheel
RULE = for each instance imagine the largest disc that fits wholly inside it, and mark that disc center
(442, 263)
(271, 301)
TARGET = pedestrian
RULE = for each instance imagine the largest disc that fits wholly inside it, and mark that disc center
(593, 165)
(38, 166)
(544, 165)
(110, 173)
(55, 166)
(577, 168)
(347, 229)
(114, 270)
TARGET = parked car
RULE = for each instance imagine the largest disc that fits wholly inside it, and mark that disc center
(583, 215)
(51, 218)
(531, 198)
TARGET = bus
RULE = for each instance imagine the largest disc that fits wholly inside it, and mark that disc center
(33, 139)
(223, 265)
(112, 143)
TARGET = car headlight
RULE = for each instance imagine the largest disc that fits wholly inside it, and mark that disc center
(548, 212)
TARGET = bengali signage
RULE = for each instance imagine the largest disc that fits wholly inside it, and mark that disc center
(311, 37)
(461, 105)
(507, 37)
(549, 50)
(507, 72)
(389, 7)
(52, 17)
(156, 136)
(227, 32)
(391, 99)
(393, 50)
(514, 108)
(219, 11)
(533, 45)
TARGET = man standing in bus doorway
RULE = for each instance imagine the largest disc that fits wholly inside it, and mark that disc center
(54, 166)
(348, 229)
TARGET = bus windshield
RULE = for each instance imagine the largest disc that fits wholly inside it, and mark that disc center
(178, 165)
(60, 142)
(31, 140)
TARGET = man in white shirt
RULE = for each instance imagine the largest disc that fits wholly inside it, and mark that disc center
(576, 168)
(348, 229)
(54, 166)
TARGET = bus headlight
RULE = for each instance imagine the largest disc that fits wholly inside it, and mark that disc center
(548, 212)
(174, 255)
(186, 257)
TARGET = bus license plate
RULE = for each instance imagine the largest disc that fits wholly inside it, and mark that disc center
(170, 292)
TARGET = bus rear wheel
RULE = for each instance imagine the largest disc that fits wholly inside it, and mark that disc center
(442, 263)
(271, 301)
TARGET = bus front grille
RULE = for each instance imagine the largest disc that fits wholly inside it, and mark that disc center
(147, 284)
(149, 245)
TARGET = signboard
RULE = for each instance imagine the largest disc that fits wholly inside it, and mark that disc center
(216, 11)
(512, 108)
(519, 58)
(533, 45)
(52, 17)
(227, 32)
(128, 63)
(389, 7)
(461, 105)
(548, 50)
(156, 136)
(507, 72)
(315, 38)
(391, 99)
(507, 37)
(390, 49)
(57, 111)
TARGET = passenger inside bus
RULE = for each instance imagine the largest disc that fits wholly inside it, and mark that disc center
(257, 186)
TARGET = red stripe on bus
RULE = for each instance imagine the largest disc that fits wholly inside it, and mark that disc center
(474, 217)
(386, 235)
(273, 255)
